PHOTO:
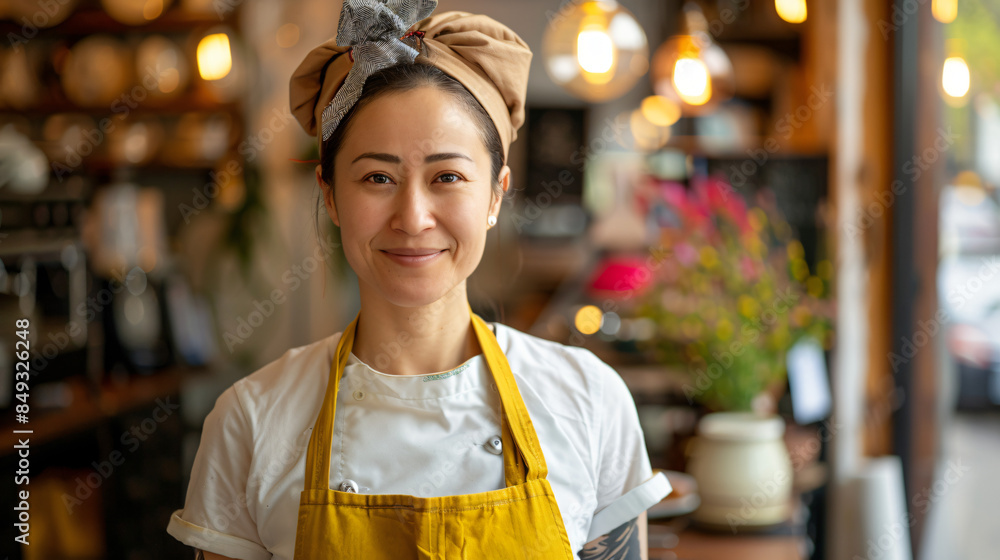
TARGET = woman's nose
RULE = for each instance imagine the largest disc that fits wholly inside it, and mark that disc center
(414, 209)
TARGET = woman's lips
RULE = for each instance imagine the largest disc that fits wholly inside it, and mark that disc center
(413, 260)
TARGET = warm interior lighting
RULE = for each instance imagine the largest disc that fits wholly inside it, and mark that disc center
(691, 80)
(944, 10)
(594, 51)
(647, 136)
(152, 9)
(170, 78)
(588, 319)
(215, 60)
(659, 110)
(955, 77)
(792, 11)
(690, 69)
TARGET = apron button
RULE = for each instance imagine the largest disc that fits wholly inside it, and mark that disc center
(494, 445)
(349, 486)
(358, 395)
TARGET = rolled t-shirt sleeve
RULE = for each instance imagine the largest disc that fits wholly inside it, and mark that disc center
(215, 516)
(626, 485)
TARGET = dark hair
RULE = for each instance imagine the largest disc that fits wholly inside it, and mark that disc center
(407, 77)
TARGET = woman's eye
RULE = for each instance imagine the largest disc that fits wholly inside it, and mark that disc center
(377, 175)
(455, 180)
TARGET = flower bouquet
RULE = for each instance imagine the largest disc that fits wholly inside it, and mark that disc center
(732, 294)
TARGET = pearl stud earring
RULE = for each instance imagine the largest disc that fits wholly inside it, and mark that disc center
(492, 220)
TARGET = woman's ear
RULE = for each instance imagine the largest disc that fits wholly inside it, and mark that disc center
(331, 207)
(504, 180)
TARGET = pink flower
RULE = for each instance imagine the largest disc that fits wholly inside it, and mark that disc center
(686, 254)
(748, 268)
(674, 194)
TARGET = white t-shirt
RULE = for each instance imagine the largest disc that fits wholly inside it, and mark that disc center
(423, 435)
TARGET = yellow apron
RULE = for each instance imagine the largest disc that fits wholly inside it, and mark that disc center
(521, 520)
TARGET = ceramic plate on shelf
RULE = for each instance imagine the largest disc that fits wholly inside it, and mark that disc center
(97, 71)
(683, 500)
(131, 12)
(52, 13)
(161, 67)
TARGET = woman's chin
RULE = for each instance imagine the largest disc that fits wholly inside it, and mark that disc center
(412, 295)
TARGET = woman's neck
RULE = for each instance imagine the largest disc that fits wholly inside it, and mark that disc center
(415, 340)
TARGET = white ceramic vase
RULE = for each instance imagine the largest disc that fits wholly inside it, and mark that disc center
(743, 470)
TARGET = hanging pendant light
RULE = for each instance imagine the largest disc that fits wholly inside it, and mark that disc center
(956, 79)
(595, 49)
(944, 11)
(691, 69)
(792, 11)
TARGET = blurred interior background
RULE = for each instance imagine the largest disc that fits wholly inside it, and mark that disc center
(777, 219)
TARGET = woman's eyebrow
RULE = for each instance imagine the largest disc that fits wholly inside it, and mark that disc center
(389, 158)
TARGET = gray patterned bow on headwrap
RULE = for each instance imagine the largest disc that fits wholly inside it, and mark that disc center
(373, 30)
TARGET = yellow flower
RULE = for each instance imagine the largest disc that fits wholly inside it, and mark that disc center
(800, 270)
(780, 337)
(825, 269)
(814, 286)
(801, 315)
(749, 307)
(724, 329)
(709, 257)
(795, 250)
(764, 292)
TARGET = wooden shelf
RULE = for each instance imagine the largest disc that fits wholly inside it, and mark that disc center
(90, 21)
(190, 104)
(88, 410)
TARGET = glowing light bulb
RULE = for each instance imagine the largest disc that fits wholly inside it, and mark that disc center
(215, 59)
(944, 10)
(594, 51)
(955, 77)
(692, 81)
(588, 319)
(792, 11)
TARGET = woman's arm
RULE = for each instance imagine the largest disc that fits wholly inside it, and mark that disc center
(626, 542)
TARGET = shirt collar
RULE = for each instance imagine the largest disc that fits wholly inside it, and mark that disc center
(471, 375)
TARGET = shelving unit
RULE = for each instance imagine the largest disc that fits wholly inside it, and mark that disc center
(93, 407)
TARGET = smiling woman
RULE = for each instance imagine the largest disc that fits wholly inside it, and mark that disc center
(420, 427)
(421, 163)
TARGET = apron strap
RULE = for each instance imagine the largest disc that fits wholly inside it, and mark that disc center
(321, 439)
(518, 421)
(521, 450)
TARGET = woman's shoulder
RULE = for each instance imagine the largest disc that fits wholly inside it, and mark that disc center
(290, 382)
(565, 364)
(294, 365)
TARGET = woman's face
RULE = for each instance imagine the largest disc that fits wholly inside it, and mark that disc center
(412, 194)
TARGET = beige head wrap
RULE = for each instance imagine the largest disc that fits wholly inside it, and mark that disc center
(485, 56)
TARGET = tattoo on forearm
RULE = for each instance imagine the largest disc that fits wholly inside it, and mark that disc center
(622, 543)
